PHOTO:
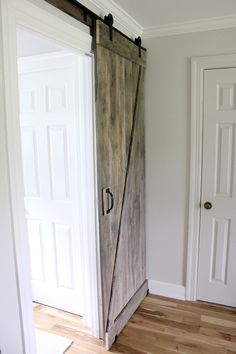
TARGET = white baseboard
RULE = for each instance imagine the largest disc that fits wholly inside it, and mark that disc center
(166, 289)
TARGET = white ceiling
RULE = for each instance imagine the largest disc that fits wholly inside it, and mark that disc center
(151, 13)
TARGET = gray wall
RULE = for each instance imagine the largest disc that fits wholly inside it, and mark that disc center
(168, 145)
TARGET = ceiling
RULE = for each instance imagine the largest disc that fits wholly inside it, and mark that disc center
(152, 13)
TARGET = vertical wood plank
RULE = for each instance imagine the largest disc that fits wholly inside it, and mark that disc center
(129, 272)
(113, 134)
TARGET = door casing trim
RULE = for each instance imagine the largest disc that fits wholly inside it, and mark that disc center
(198, 66)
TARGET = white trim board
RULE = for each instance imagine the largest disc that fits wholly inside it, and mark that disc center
(122, 20)
(166, 289)
(198, 65)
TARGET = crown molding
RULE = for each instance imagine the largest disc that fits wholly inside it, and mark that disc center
(122, 20)
(208, 24)
(128, 25)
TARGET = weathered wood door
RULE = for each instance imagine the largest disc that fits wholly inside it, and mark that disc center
(120, 149)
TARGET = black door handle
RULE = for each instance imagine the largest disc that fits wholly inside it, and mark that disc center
(107, 201)
(109, 194)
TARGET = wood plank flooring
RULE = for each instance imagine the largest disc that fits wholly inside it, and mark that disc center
(159, 326)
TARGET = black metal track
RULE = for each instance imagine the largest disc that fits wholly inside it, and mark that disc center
(94, 16)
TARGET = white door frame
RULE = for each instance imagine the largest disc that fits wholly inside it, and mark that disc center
(198, 66)
(66, 31)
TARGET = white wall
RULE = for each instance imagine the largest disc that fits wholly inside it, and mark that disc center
(167, 150)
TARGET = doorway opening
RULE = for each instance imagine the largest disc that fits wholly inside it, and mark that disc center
(49, 106)
(54, 152)
(53, 177)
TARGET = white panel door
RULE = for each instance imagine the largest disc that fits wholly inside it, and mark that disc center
(217, 256)
(49, 152)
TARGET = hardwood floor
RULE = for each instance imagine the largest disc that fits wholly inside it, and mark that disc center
(159, 326)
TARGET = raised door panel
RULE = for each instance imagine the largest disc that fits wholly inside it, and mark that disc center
(27, 100)
(64, 256)
(58, 162)
(219, 250)
(35, 233)
(56, 98)
(30, 163)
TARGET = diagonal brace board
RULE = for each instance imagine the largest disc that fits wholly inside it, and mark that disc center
(125, 315)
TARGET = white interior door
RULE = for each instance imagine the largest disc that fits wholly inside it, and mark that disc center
(48, 109)
(217, 256)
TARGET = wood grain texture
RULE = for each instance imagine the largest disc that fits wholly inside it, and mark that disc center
(129, 270)
(119, 45)
(120, 151)
(159, 326)
(114, 125)
(81, 13)
(72, 10)
(125, 315)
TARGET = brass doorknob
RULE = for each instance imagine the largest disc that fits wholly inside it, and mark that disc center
(207, 205)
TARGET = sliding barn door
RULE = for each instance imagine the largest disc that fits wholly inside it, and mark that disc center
(120, 148)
